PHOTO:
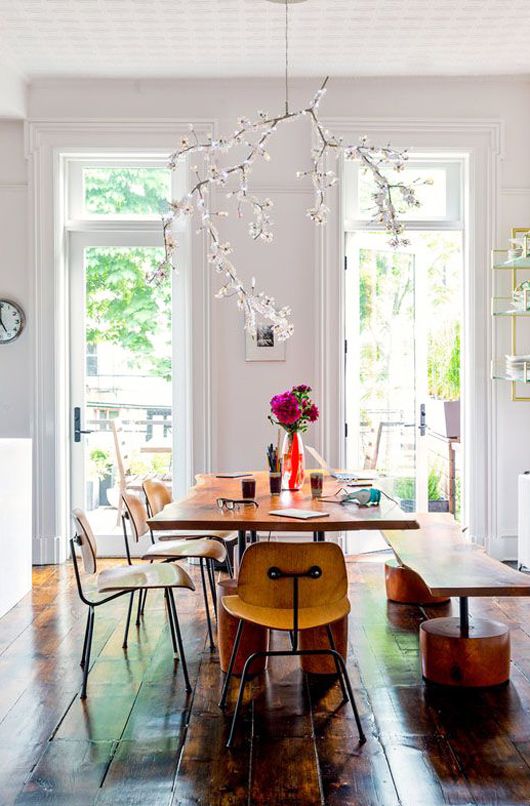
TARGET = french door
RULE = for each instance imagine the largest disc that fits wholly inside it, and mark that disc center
(403, 319)
(121, 372)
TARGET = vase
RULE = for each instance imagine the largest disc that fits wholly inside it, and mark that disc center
(293, 469)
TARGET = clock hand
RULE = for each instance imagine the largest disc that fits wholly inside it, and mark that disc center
(1, 321)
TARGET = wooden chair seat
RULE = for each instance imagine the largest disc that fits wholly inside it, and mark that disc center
(275, 618)
(174, 549)
(139, 577)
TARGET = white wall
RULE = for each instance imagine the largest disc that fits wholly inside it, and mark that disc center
(287, 267)
(15, 359)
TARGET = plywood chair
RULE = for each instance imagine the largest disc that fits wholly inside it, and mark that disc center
(290, 587)
(205, 550)
(157, 496)
(122, 581)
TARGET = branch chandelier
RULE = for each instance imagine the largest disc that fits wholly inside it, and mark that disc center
(252, 136)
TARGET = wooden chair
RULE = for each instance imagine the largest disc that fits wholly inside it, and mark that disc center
(157, 496)
(205, 550)
(120, 581)
(290, 587)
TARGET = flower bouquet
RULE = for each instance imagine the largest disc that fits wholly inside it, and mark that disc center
(293, 411)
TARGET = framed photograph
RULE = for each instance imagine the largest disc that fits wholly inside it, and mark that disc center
(265, 346)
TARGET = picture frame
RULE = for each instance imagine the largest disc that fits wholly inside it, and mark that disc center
(265, 346)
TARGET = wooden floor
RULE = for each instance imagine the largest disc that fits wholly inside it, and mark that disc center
(138, 739)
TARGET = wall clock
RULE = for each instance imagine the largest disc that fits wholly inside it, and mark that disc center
(12, 321)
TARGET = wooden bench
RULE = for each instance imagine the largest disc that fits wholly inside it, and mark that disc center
(456, 651)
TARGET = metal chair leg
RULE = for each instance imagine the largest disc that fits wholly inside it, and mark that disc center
(126, 635)
(340, 659)
(228, 561)
(143, 603)
(205, 594)
(211, 579)
(86, 666)
(337, 665)
(237, 640)
(171, 624)
(139, 608)
(179, 640)
(82, 664)
(240, 697)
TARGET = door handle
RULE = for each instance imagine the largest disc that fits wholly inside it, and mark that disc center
(77, 425)
(423, 420)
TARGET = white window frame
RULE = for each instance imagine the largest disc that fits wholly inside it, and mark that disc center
(481, 142)
(453, 221)
(49, 144)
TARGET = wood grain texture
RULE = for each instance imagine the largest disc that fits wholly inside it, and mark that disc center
(451, 566)
(199, 510)
(141, 740)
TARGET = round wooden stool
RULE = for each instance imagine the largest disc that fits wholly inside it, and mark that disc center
(253, 638)
(406, 587)
(476, 656)
(318, 639)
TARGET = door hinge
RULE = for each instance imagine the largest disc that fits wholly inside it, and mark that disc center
(345, 262)
(345, 345)
(345, 429)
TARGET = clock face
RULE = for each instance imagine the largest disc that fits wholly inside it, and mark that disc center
(12, 321)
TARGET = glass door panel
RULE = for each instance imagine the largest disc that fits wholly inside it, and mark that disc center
(381, 399)
(403, 320)
(121, 339)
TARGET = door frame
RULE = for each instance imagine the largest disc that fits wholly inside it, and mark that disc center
(49, 144)
(481, 141)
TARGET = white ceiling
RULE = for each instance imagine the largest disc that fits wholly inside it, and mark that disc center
(159, 38)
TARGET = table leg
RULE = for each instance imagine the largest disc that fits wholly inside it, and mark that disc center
(253, 537)
(320, 537)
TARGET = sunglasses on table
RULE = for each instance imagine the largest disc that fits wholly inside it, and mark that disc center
(234, 503)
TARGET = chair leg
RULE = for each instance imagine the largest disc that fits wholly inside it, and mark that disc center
(205, 594)
(211, 579)
(139, 608)
(126, 635)
(179, 640)
(240, 697)
(222, 701)
(143, 603)
(337, 665)
(228, 561)
(340, 659)
(171, 624)
(86, 666)
(82, 664)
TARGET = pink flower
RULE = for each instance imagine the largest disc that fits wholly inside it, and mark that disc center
(285, 408)
(311, 413)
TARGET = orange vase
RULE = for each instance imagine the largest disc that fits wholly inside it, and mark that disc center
(293, 470)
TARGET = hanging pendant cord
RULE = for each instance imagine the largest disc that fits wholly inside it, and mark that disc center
(286, 57)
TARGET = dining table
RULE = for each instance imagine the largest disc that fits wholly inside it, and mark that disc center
(199, 510)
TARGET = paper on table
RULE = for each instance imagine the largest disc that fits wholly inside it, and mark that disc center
(300, 514)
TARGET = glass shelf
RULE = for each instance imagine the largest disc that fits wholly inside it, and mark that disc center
(511, 312)
(500, 373)
(520, 263)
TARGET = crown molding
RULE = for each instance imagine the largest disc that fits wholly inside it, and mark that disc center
(492, 128)
(40, 131)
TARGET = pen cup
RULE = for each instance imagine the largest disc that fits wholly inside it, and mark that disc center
(275, 483)
(317, 484)
(248, 487)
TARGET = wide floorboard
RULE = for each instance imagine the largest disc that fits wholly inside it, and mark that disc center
(140, 739)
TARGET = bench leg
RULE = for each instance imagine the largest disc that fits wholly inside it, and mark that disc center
(462, 652)
(406, 587)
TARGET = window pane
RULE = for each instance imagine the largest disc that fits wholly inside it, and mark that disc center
(125, 191)
(127, 377)
(432, 196)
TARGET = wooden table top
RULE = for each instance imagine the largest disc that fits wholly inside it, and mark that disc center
(199, 510)
(452, 566)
